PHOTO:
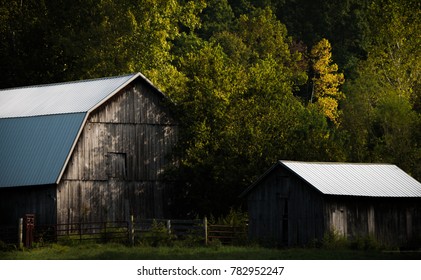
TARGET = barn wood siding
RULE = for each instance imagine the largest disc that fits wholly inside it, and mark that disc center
(38, 200)
(284, 211)
(306, 213)
(391, 221)
(264, 218)
(117, 164)
(111, 200)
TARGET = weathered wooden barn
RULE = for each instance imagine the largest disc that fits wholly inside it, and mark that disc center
(296, 203)
(91, 150)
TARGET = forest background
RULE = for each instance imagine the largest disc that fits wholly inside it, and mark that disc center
(251, 82)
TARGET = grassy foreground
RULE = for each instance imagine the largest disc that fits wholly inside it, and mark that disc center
(121, 252)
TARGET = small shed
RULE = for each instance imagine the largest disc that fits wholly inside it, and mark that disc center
(295, 203)
(85, 151)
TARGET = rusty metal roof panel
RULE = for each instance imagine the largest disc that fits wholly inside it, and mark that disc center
(34, 150)
(356, 179)
(62, 98)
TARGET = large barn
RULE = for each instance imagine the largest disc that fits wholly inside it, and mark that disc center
(296, 203)
(85, 151)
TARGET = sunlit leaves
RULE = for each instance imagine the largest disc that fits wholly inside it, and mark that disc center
(326, 81)
(382, 113)
(393, 44)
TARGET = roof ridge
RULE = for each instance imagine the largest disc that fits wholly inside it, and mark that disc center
(70, 82)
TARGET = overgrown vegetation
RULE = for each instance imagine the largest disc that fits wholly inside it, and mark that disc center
(333, 240)
(157, 236)
(4, 247)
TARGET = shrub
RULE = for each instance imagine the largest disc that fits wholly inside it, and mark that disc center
(4, 247)
(237, 219)
(365, 243)
(157, 236)
(333, 240)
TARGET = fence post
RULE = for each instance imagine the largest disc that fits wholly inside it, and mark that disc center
(205, 225)
(131, 231)
(20, 233)
(169, 227)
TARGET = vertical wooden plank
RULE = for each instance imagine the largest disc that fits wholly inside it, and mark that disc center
(205, 225)
(408, 223)
(111, 200)
(102, 194)
(102, 151)
(371, 221)
(58, 204)
(135, 105)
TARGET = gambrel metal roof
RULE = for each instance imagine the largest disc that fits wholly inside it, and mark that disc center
(352, 179)
(39, 126)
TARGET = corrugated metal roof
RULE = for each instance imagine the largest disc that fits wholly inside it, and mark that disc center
(33, 150)
(356, 179)
(351, 179)
(63, 98)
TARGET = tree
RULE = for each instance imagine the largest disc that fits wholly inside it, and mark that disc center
(216, 17)
(238, 111)
(25, 55)
(341, 22)
(382, 116)
(393, 40)
(63, 40)
(326, 81)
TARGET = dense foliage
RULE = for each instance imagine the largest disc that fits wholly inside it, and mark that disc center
(253, 81)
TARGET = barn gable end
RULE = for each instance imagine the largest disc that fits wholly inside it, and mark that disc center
(284, 211)
(118, 161)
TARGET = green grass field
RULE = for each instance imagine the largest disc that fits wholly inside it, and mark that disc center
(121, 252)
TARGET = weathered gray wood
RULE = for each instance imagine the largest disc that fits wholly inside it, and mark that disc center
(118, 161)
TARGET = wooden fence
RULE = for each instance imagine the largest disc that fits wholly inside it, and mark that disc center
(95, 231)
(148, 231)
(226, 234)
